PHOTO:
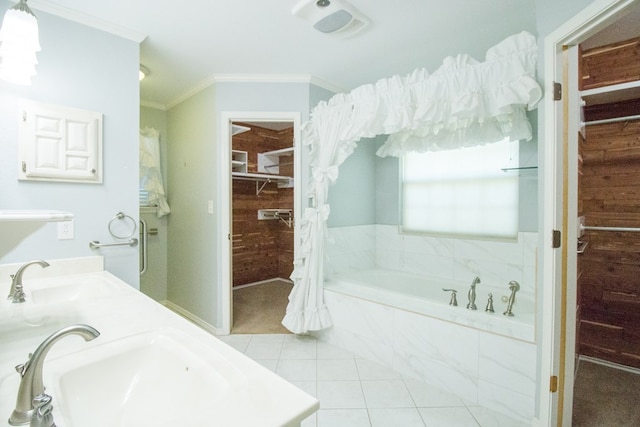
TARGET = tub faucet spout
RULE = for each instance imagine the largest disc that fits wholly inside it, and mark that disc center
(31, 384)
(513, 287)
(16, 293)
(472, 294)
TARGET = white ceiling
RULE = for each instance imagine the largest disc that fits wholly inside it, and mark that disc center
(188, 43)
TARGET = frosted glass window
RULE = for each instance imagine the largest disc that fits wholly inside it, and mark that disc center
(462, 191)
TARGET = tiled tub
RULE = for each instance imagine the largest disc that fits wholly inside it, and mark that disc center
(375, 296)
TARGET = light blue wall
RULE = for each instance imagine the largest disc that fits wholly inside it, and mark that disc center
(550, 14)
(194, 133)
(78, 67)
(317, 94)
(387, 188)
(193, 236)
(353, 196)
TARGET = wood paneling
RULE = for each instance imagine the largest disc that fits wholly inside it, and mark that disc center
(609, 65)
(595, 112)
(609, 270)
(261, 250)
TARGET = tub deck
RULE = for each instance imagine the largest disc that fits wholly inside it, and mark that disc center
(424, 295)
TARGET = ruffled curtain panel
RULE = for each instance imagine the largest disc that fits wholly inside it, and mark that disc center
(150, 174)
(463, 103)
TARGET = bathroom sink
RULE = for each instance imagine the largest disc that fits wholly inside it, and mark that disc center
(70, 290)
(160, 378)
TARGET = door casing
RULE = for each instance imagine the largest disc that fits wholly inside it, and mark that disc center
(559, 186)
(224, 206)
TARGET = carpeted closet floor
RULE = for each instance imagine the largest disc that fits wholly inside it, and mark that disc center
(259, 309)
(605, 397)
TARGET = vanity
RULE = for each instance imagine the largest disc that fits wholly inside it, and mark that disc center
(148, 366)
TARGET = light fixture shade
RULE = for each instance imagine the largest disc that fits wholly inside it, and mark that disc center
(19, 42)
(143, 72)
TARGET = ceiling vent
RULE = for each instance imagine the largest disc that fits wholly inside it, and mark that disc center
(335, 17)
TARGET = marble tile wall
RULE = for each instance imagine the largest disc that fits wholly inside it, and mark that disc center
(491, 370)
(486, 369)
(383, 246)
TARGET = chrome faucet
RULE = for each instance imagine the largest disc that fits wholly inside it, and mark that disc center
(472, 294)
(31, 384)
(16, 293)
(489, 307)
(453, 301)
(513, 287)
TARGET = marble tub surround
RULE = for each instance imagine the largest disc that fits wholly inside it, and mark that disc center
(383, 246)
(258, 397)
(424, 295)
(483, 368)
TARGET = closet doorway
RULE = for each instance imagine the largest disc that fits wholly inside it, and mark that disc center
(263, 180)
(560, 329)
(608, 262)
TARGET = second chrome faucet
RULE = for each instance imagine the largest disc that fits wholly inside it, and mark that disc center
(16, 293)
(31, 384)
(471, 305)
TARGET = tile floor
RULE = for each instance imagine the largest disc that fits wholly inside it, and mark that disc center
(355, 392)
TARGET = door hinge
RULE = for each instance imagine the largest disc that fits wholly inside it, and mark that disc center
(24, 166)
(553, 384)
(557, 239)
(557, 91)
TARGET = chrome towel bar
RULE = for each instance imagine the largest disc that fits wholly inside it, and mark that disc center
(95, 244)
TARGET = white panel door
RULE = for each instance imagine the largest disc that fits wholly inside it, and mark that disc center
(59, 143)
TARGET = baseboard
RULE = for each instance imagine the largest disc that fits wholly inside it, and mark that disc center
(192, 318)
(609, 364)
(262, 282)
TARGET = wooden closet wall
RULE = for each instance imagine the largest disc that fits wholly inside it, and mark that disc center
(609, 196)
(261, 250)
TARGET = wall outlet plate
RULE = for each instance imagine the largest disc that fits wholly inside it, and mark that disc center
(65, 230)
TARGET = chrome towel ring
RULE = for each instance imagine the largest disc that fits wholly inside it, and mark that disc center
(121, 226)
(121, 222)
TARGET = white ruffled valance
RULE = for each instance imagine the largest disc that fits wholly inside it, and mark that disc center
(467, 103)
(463, 103)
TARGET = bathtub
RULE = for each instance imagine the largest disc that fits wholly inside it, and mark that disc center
(404, 321)
(424, 295)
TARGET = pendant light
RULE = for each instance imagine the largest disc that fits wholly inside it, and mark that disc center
(19, 43)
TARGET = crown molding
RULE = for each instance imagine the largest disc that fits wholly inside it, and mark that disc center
(255, 78)
(88, 20)
(277, 78)
(316, 81)
(152, 104)
(203, 84)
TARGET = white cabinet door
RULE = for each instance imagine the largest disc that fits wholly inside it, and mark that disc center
(59, 143)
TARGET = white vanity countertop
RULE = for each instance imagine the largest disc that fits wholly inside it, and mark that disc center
(118, 311)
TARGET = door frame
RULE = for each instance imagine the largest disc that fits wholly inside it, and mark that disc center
(557, 343)
(224, 211)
